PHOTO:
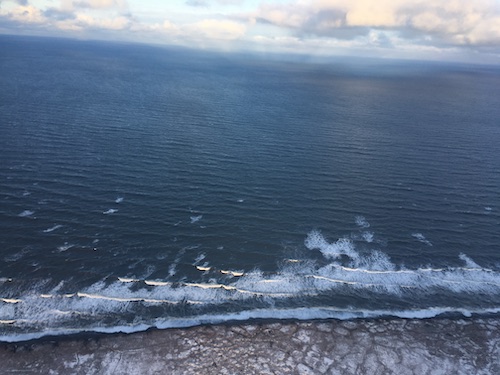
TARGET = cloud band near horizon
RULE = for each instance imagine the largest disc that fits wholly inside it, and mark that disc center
(393, 28)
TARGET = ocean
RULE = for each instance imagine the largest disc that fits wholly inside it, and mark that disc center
(145, 186)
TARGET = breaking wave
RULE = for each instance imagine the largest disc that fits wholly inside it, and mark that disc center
(333, 288)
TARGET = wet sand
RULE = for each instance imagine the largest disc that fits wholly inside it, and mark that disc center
(433, 346)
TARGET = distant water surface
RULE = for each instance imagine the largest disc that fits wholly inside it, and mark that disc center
(142, 186)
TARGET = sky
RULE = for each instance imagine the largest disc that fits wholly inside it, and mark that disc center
(457, 30)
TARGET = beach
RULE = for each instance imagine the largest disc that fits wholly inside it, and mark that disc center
(382, 346)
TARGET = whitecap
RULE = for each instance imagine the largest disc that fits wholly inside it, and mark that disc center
(127, 280)
(232, 273)
(421, 238)
(11, 300)
(343, 246)
(362, 222)
(119, 200)
(203, 268)
(469, 263)
(110, 211)
(172, 269)
(156, 283)
(367, 236)
(65, 247)
(195, 219)
(26, 213)
(53, 228)
(199, 258)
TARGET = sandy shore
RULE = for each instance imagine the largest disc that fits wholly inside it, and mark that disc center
(434, 346)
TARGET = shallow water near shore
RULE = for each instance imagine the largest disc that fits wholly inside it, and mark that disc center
(146, 187)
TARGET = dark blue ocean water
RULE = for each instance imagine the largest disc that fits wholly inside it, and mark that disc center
(144, 186)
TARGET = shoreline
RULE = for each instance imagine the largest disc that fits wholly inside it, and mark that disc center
(363, 346)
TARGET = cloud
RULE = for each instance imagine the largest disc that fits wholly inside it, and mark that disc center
(197, 3)
(20, 2)
(455, 22)
(218, 29)
(207, 3)
(88, 15)
(319, 27)
(25, 14)
(67, 18)
(94, 4)
(82, 21)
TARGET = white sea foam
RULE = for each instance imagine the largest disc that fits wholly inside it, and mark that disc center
(195, 219)
(119, 200)
(421, 238)
(309, 313)
(367, 236)
(372, 272)
(53, 228)
(26, 213)
(362, 222)
(203, 268)
(172, 269)
(110, 211)
(156, 283)
(232, 273)
(127, 280)
(11, 300)
(7, 321)
(65, 247)
(346, 269)
(199, 258)
(343, 246)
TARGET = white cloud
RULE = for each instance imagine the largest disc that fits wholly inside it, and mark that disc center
(83, 21)
(93, 4)
(24, 14)
(382, 27)
(206, 3)
(218, 29)
(451, 21)
(70, 20)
